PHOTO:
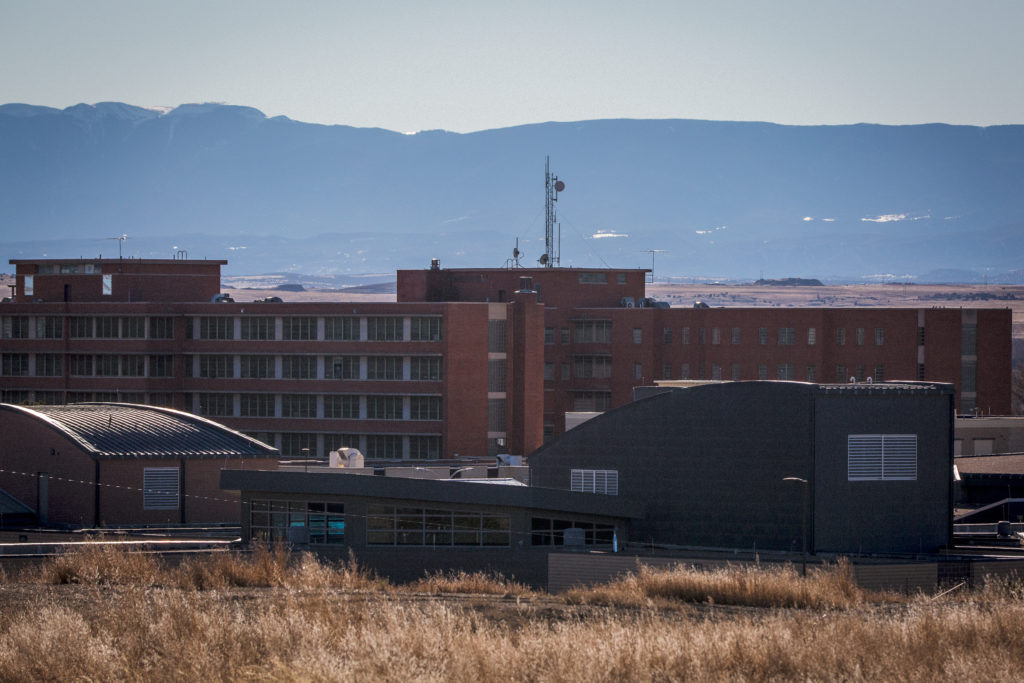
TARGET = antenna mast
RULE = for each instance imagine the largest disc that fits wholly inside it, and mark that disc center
(552, 186)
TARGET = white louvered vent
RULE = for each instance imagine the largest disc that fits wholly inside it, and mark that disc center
(595, 481)
(881, 457)
(160, 488)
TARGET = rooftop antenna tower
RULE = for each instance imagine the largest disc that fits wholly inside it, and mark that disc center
(552, 186)
(652, 252)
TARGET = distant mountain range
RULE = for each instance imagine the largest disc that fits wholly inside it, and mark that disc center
(723, 200)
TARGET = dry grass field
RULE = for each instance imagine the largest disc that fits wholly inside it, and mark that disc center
(101, 614)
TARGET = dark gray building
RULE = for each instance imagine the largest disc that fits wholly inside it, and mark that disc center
(710, 464)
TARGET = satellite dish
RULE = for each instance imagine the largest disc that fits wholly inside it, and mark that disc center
(559, 186)
(543, 259)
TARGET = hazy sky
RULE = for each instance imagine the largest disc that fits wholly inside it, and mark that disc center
(472, 65)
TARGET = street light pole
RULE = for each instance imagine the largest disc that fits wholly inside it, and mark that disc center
(803, 533)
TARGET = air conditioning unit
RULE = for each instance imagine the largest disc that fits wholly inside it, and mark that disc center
(627, 302)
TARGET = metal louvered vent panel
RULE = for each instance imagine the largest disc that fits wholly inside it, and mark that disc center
(160, 488)
(881, 457)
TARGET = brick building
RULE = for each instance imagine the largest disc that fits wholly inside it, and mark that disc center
(398, 381)
(602, 338)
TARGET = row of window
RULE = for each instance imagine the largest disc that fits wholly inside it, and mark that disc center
(306, 328)
(320, 522)
(373, 446)
(85, 365)
(86, 327)
(223, 366)
(600, 331)
(783, 371)
(338, 406)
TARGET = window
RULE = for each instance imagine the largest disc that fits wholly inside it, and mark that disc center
(969, 340)
(384, 446)
(216, 405)
(219, 327)
(14, 364)
(298, 367)
(735, 336)
(424, 447)
(735, 372)
(160, 488)
(969, 376)
(684, 371)
(667, 335)
(298, 405)
(564, 335)
(424, 407)
(592, 331)
(298, 444)
(133, 327)
(666, 371)
(80, 365)
(496, 414)
(383, 367)
(858, 373)
(700, 336)
(343, 367)
(879, 373)
(216, 366)
(762, 336)
(341, 406)
(49, 327)
(716, 371)
(595, 481)
(565, 371)
(638, 370)
(787, 336)
(425, 368)
(106, 327)
(392, 525)
(591, 401)
(257, 327)
(344, 328)
(840, 336)
(496, 375)
(879, 336)
(496, 336)
(860, 336)
(841, 376)
(638, 335)
(383, 407)
(80, 327)
(161, 366)
(270, 520)
(716, 336)
(546, 531)
(161, 328)
(107, 366)
(599, 367)
(384, 328)
(425, 329)
(297, 328)
(920, 336)
(256, 405)
(15, 327)
(762, 371)
(881, 457)
(257, 367)
(812, 336)
(49, 365)
(786, 371)
(593, 278)
(686, 336)
(812, 373)
(549, 371)
(920, 371)
(549, 335)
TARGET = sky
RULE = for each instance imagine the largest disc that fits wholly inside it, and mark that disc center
(473, 65)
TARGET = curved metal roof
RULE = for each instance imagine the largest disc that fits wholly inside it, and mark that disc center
(127, 430)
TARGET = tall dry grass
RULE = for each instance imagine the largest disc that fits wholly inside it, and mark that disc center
(190, 630)
(830, 587)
